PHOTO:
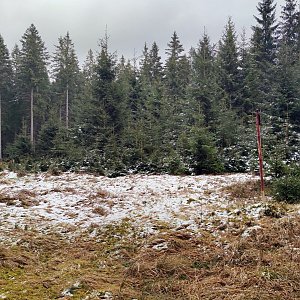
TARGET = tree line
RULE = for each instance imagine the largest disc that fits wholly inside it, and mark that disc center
(192, 113)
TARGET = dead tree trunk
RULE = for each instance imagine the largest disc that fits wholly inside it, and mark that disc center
(67, 107)
(31, 117)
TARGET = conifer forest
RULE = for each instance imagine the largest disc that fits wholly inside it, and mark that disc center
(142, 178)
(192, 113)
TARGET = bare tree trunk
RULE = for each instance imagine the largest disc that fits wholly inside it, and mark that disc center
(287, 131)
(67, 108)
(0, 128)
(31, 116)
(60, 113)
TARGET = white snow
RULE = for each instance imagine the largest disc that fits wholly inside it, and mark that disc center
(82, 200)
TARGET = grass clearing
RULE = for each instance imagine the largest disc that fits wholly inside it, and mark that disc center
(264, 264)
(243, 250)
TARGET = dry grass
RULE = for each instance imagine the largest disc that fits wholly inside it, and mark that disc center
(26, 198)
(220, 265)
(263, 265)
(63, 190)
(4, 180)
(7, 199)
(43, 266)
(101, 197)
(100, 194)
(100, 211)
(243, 191)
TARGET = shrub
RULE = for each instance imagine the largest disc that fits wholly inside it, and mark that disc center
(287, 189)
(19, 149)
(205, 157)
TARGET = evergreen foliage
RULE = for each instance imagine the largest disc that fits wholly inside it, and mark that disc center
(6, 95)
(289, 25)
(189, 114)
(228, 66)
(32, 81)
(204, 87)
(287, 187)
(65, 72)
(266, 30)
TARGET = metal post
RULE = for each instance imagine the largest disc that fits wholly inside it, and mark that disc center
(260, 155)
(0, 127)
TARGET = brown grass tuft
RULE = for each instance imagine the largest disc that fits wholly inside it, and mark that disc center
(63, 190)
(243, 191)
(26, 198)
(264, 265)
(8, 200)
(102, 194)
(100, 211)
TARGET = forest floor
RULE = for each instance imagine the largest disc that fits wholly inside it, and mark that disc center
(80, 236)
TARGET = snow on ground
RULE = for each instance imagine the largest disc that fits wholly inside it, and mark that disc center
(44, 202)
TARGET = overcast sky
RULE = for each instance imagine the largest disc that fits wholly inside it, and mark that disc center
(130, 23)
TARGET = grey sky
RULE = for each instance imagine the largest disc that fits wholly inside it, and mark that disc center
(130, 23)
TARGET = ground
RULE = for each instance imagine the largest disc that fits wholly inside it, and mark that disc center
(81, 236)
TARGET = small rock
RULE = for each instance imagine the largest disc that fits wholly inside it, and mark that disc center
(70, 291)
(107, 296)
(99, 295)
(66, 292)
(160, 247)
(157, 241)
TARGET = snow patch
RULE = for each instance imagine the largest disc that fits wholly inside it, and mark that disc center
(79, 201)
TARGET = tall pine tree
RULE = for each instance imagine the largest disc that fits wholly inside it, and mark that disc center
(33, 79)
(177, 77)
(6, 90)
(228, 66)
(204, 87)
(66, 75)
(266, 29)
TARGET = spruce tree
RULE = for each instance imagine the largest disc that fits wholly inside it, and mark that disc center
(288, 56)
(156, 69)
(145, 63)
(66, 75)
(244, 104)
(176, 78)
(33, 78)
(151, 105)
(266, 29)
(288, 26)
(103, 121)
(18, 106)
(176, 68)
(86, 92)
(227, 127)
(6, 92)
(228, 66)
(203, 87)
(261, 80)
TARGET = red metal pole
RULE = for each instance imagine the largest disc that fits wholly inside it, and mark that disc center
(260, 155)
